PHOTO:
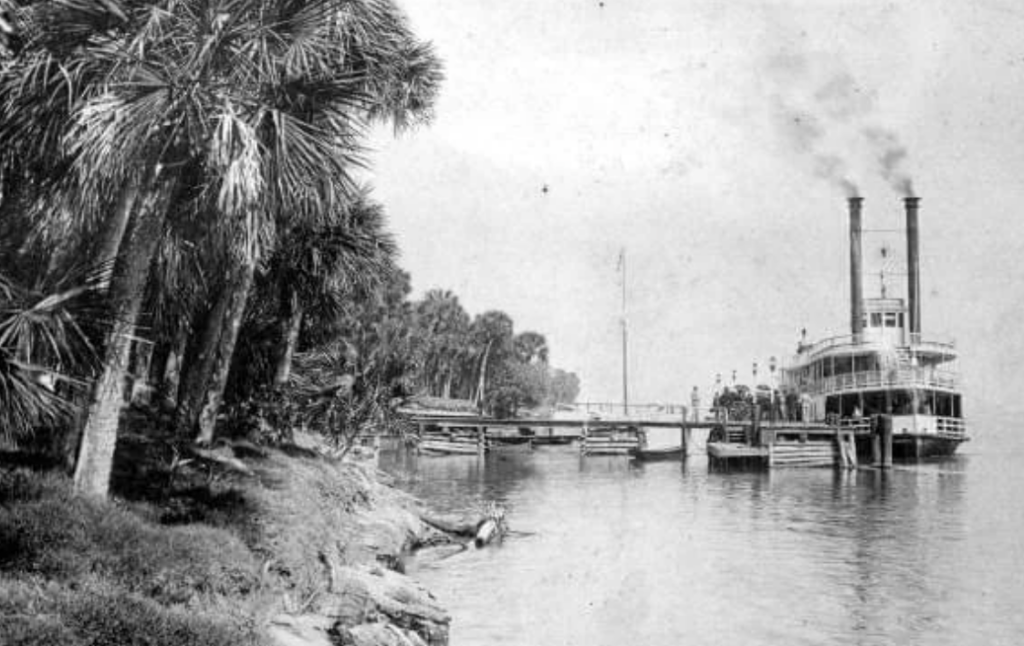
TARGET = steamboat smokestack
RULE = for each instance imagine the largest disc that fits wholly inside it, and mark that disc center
(913, 268)
(856, 285)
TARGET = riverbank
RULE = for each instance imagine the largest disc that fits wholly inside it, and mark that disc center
(236, 546)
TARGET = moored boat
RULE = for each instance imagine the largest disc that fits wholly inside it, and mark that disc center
(662, 453)
(644, 452)
(509, 442)
(884, 375)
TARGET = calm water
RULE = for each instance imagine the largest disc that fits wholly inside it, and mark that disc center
(609, 552)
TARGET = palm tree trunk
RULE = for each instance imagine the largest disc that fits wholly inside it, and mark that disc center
(483, 373)
(126, 292)
(237, 296)
(197, 364)
(138, 372)
(115, 227)
(292, 326)
(158, 363)
(171, 376)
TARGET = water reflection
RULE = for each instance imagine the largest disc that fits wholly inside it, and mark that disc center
(658, 553)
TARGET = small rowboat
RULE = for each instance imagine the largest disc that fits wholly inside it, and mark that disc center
(662, 453)
(510, 443)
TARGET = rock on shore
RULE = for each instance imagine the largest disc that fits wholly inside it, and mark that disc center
(364, 599)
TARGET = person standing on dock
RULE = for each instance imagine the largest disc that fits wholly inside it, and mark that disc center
(805, 408)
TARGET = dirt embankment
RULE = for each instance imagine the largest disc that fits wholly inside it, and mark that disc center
(268, 547)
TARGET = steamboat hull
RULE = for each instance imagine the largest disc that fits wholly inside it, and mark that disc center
(915, 448)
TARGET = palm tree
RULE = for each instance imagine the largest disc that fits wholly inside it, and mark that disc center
(263, 100)
(530, 347)
(318, 268)
(315, 272)
(565, 387)
(444, 328)
(492, 334)
(348, 385)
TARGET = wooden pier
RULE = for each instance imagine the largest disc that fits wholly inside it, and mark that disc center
(731, 442)
(466, 434)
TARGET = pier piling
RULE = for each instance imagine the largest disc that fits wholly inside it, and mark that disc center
(684, 439)
(881, 442)
(887, 444)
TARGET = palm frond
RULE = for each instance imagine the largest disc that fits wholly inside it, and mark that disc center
(26, 402)
(47, 348)
(56, 329)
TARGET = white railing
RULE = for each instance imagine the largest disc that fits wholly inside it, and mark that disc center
(952, 428)
(855, 424)
(919, 340)
(895, 378)
(831, 342)
(914, 339)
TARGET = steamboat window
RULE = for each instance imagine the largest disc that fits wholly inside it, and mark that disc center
(876, 319)
(832, 405)
(844, 365)
(947, 405)
(890, 319)
(902, 402)
(874, 402)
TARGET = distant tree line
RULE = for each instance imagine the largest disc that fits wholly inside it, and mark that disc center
(482, 359)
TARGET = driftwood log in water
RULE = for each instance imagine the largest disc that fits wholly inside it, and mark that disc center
(481, 528)
(466, 526)
(487, 532)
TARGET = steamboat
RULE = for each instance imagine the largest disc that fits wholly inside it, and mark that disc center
(886, 373)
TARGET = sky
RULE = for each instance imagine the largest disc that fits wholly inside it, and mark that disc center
(715, 144)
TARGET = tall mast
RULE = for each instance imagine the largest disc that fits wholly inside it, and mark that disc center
(625, 356)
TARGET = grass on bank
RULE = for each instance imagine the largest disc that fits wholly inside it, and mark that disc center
(192, 557)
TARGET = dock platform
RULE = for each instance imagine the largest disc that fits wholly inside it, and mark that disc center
(785, 444)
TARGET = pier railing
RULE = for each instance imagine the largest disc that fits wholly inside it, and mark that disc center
(639, 412)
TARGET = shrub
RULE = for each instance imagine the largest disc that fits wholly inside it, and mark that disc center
(69, 539)
(35, 614)
(29, 616)
(25, 485)
(268, 416)
(129, 620)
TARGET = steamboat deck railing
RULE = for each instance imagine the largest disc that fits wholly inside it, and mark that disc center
(952, 428)
(947, 428)
(893, 378)
(915, 341)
